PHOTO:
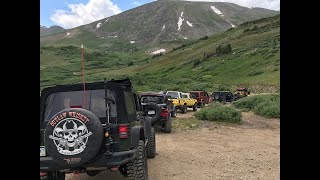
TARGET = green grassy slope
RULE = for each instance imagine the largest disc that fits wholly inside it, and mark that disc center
(254, 61)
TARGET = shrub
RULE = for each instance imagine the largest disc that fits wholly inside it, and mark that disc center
(263, 105)
(248, 102)
(196, 63)
(204, 38)
(217, 112)
(130, 63)
(224, 49)
(202, 114)
(255, 73)
(268, 109)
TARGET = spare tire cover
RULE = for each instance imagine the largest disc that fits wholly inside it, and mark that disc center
(73, 137)
(156, 108)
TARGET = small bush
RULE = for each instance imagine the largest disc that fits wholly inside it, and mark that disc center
(196, 63)
(219, 113)
(224, 49)
(249, 102)
(263, 105)
(202, 114)
(255, 73)
(268, 109)
(204, 38)
(130, 63)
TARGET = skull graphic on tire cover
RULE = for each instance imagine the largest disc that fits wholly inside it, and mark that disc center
(70, 136)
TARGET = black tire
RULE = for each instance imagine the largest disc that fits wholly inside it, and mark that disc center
(93, 173)
(56, 175)
(174, 113)
(156, 108)
(195, 107)
(73, 137)
(167, 127)
(151, 145)
(202, 104)
(137, 169)
(123, 170)
(184, 109)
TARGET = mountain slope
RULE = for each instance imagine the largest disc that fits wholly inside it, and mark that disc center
(254, 61)
(44, 31)
(160, 22)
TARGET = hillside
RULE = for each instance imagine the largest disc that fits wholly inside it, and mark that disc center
(159, 24)
(254, 61)
(44, 31)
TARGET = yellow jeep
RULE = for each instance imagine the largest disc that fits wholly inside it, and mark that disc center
(181, 101)
(190, 101)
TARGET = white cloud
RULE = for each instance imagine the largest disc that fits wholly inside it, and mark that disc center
(136, 3)
(268, 4)
(81, 14)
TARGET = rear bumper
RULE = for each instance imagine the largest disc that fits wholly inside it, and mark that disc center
(104, 160)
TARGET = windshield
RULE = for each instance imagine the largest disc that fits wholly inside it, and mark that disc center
(173, 95)
(95, 102)
(155, 99)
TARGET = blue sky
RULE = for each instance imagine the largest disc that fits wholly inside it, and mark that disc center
(49, 7)
(72, 13)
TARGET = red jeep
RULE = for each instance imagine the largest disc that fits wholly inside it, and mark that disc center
(202, 97)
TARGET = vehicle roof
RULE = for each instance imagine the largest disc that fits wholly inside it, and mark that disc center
(125, 83)
(151, 94)
(173, 91)
(196, 91)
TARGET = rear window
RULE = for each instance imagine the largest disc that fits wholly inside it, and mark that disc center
(155, 99)
(195, 94)
(130, 104)
(173, 95)
(95, 102)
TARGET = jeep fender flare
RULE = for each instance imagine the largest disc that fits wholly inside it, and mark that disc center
(137, 133)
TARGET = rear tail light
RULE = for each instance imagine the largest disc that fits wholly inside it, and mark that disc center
(164, 112)
(123, 131)
(75, 106)
(43, 173)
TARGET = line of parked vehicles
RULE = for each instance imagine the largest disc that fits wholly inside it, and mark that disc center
(106, 126)
(163, 106)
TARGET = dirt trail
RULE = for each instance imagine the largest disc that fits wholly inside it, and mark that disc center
(218, 151)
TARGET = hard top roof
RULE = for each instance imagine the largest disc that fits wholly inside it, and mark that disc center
(151, 94)
(126, 83)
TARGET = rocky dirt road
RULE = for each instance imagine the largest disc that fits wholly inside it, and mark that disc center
(250, 150)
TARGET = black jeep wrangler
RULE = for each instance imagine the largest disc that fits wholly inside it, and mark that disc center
(101, 127)
(159, 108)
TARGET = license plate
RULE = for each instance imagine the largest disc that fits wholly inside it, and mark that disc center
(151, 112)
(42, 151)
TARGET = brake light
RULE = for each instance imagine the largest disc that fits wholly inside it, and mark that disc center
(75, 106)
(123, 131)
(43, 173)
(164, 112)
